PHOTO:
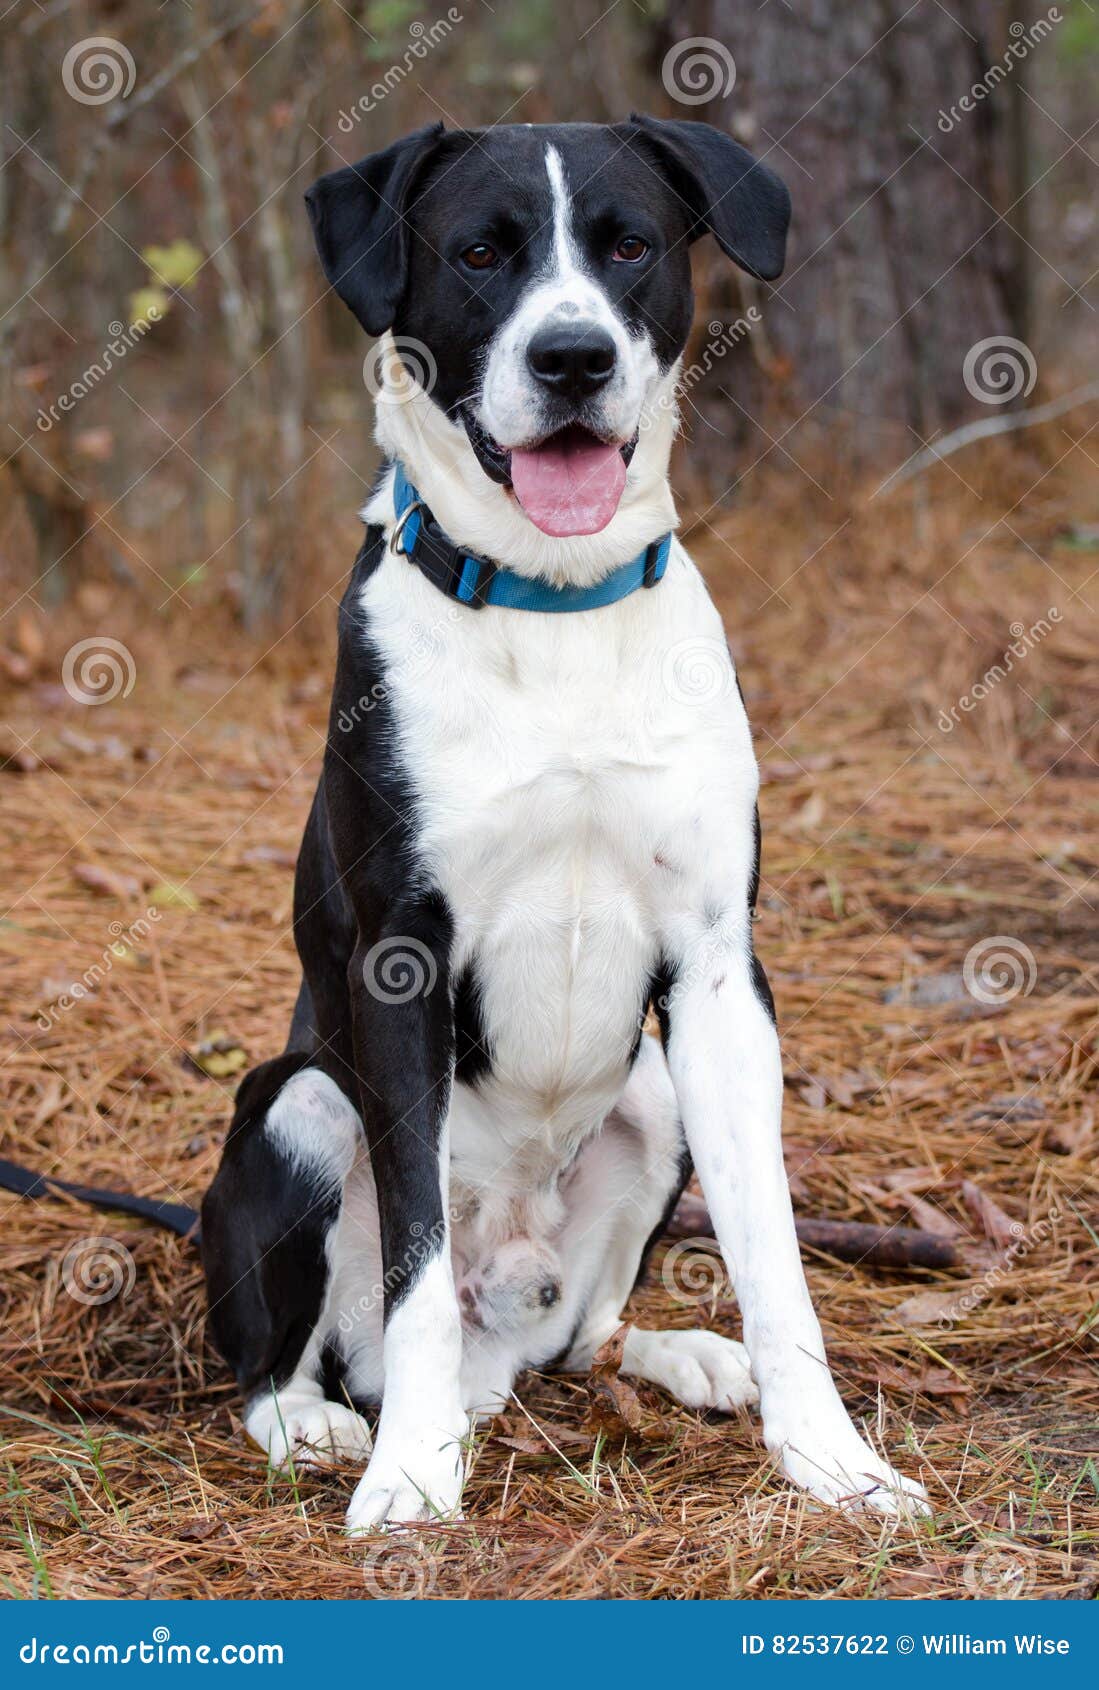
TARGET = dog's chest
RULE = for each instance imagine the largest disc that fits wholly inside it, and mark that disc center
(557, 782)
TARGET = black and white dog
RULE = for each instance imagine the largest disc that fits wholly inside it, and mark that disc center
(533, 822)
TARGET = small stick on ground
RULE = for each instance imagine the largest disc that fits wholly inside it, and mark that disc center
(849, 1241)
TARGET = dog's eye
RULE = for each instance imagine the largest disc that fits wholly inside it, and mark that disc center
(631, 249)
(480, 256)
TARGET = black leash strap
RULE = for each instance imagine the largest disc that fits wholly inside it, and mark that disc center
(174, 1217)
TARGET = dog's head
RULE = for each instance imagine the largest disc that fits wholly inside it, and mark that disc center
(545, 270)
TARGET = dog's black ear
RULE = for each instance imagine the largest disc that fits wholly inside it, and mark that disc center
(358, 225)
(739, 201)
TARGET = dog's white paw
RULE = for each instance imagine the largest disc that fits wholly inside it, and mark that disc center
(421, 1480)
(700, 1369)
(307, 1430)
(840, 1468)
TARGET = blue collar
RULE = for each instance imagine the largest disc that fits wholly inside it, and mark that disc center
(475, 581)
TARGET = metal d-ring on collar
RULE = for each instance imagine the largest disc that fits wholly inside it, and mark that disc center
(399, 527)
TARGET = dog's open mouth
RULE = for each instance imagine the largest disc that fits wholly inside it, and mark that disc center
(570, 483)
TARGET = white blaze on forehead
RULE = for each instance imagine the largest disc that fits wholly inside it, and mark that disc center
(564, 246)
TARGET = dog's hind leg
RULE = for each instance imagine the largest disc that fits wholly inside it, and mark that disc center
(268, 1222)
(648, 1170)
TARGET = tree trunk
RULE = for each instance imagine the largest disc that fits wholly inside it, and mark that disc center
(905, 248)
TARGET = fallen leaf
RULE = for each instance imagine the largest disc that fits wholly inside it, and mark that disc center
(978, 1256)
(111, 747)
(844, 1088)
(204, 680)
(51, 1103)
(1066, 1138)
(811, 813)
(928, 1382)
(108, 882)
(614, 1407)
(219, 1055)
(932, 1219)
(200, 1530)
(909, 1179)
(912, 1581)
(542, 1439)
(789, 768)
(930, 990)
(83, 743)
(525, 1446)
(167, 896)
(991, 1219)
(926, 1308)
(312, 686)
(840, 1091)
(270, 854)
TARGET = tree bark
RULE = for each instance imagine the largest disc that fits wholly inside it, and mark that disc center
(905, 249)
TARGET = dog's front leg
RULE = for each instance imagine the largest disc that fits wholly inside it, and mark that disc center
(404, 1056)
(724, 1058)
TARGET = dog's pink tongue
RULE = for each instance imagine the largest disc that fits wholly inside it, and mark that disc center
(569, 486)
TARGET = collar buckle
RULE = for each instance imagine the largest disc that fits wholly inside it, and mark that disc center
(469, 579)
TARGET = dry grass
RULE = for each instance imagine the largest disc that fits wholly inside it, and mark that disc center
(890, 849)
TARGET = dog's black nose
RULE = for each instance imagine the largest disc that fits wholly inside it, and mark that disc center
(572, 361)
